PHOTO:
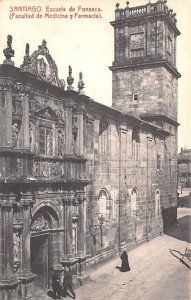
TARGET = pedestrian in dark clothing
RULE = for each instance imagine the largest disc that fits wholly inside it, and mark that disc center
(67, 283)
(57, 289)
(125, 262)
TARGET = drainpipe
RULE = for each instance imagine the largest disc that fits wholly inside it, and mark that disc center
(147, 188)
(149, 139)
(119, 205)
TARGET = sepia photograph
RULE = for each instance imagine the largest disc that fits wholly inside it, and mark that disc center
(95, 150)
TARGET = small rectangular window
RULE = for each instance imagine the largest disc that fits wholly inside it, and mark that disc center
(135, 143)
(135, 96)
(170, 168)
(158, 162)
(3, 100)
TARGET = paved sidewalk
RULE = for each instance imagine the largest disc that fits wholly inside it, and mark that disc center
(155, 274)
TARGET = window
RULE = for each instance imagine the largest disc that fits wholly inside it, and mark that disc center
(103, 143)
(135, 96)
(45, 141)
(158, 162)
(135, 143)
(137, 43)
(134, 201)
(105, 204)
(103, 136)
(3, 100)
(157, 203)
(170, 168)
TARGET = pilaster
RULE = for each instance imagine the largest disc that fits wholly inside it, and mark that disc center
(68, 130)
(149, 208)
(80, 136)
(24, 273)
(8, 280)
(25, 101)
(82, 276)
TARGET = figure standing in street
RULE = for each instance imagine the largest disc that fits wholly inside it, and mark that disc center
(125, 262)
(67, 283)
(57, 289)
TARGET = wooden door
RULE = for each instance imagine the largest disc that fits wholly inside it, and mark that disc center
(40, 260)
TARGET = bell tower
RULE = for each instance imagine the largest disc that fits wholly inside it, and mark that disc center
(144, 73)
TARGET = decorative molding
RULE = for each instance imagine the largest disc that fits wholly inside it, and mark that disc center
(42, 65)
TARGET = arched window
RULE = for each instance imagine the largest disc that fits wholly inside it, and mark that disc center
(134, 194)
(157, 203)
(105, 204)
(137, 42)
(103, 136)
(135, 143)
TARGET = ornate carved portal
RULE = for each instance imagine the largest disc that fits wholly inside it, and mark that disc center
(44, 219)
(44, 245)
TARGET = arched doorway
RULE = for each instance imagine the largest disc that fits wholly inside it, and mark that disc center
(44, 245)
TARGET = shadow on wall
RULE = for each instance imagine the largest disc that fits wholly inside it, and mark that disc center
(185, 201)
(183, 229)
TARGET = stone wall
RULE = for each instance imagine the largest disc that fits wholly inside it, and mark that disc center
(119, 173)
(156, 89)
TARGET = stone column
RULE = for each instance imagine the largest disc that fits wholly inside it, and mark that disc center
(81, 224)
(8, 280)
(69, 259)
(126, 50)
(25, 122)
(67, 225)
(68, 130)
(148, 208)
(82, 276)
(80, 142)
(25, 275)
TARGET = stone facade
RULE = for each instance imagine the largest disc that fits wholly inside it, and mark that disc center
(184, 168)
(80, 181)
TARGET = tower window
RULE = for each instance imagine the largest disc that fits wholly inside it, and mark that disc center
(137, 43)
(3, 101)
(135, 96)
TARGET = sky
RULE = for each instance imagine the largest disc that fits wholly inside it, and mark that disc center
(88, 46)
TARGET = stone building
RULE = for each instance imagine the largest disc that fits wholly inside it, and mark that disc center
(79, 181)
(184, 168)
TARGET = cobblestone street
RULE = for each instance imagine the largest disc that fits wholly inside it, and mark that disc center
(155, 274)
